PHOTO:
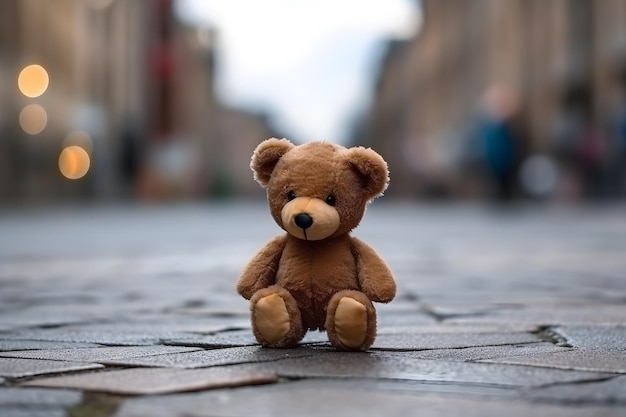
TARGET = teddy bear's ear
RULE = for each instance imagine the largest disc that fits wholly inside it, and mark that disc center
(266, 156)
(371, 168)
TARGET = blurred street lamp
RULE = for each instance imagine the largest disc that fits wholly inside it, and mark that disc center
(74, 162)
(33, 81)
(33, 119)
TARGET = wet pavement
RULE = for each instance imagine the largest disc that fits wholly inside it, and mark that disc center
(131, 311)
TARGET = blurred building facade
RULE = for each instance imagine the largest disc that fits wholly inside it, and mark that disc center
(556, 65)
(134, 87)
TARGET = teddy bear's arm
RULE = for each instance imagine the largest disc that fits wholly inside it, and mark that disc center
(260, 272)
(374, 276)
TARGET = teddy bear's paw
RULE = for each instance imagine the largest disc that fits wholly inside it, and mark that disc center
(271, 318)
(351, 321)
(276, 319)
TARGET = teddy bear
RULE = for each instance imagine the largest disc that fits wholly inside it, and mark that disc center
(316, 276)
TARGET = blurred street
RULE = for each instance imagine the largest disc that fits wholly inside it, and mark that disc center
(128, 208)
(167, 99)
(130, 310)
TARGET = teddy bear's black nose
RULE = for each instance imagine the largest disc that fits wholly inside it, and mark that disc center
(303, 220)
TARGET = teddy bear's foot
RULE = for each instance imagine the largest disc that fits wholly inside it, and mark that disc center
(351, 321)
(276, 318)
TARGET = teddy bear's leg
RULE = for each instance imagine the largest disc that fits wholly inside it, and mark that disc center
(351, 321)
(276, 320)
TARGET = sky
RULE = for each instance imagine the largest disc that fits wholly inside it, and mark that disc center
(309, 63)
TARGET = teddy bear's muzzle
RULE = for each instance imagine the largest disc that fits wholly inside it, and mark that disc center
(309, 218)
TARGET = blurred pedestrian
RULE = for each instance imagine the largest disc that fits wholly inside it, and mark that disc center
(498, 141)
(131, 153)
(580, 144)
(619, 152)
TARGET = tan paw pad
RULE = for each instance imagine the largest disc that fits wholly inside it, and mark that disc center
(271, 318)
(351, 322)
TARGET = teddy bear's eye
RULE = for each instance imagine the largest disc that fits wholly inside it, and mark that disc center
(330, 200)
(291, 195)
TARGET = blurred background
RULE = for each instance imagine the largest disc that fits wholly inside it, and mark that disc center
(154, 100)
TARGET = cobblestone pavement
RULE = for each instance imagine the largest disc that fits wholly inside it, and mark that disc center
(131, 311)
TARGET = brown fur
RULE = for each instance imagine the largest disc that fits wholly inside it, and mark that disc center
(312, 272)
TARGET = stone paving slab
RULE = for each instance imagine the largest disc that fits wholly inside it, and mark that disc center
(593, 314)
(42, 397)
(445, 327)
(484, 352)
(594, 337)
(324, 397)
(97, 355)
(50, 316)
(403, 313)
(235, 338)
(204, 311)
(409, 318)
(611, 391)
(582, 360)
(6, 345)
(167, 326)
(17, 367)
(20, 411)
(421, 341)
(216, 357)
(143, 381)
(383, 365)
(417, 387)
(111, 337)
(451, 309)
(35, 402)
(219, 340)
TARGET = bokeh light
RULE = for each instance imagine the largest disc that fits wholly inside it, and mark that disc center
(33, 119)
(33, 80)
(74, 162)
(79, 138)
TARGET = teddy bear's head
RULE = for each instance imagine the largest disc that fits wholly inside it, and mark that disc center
(318, 190)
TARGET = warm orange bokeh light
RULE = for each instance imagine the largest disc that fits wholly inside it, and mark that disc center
(74, 162)
(33, 119)
(33, 81)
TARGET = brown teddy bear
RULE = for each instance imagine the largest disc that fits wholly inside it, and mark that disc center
(316, 276)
